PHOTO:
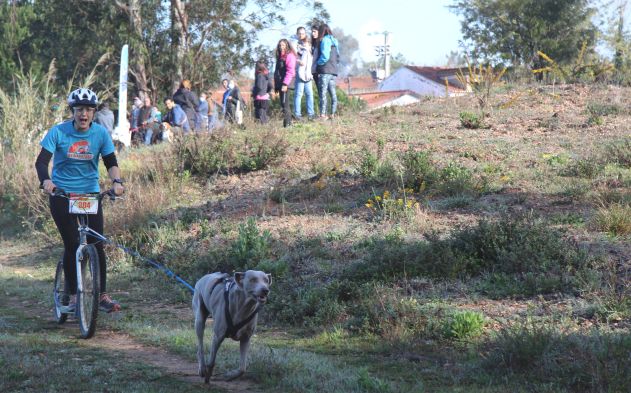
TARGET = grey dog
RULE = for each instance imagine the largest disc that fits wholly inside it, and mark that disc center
(233, 303)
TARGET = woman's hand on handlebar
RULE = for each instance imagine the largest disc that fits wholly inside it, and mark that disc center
(118, 189)
(49, 186)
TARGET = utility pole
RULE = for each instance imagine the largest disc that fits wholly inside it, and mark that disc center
(384, 50)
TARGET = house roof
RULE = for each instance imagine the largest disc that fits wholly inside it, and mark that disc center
(438, 75)
(357, 83)
(375, 99)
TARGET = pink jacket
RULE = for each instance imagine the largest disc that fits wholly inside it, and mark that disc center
(290, 68)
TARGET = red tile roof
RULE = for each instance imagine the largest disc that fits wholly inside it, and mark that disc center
(357, 84)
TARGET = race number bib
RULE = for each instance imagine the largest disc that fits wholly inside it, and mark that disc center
(83, 204)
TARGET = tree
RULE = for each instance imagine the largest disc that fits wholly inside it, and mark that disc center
(15, 19)
(348, 47)
(512, 31)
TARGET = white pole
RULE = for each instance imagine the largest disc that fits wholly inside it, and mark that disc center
(121, 132)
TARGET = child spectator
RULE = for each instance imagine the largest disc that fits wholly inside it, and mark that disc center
(260, 92)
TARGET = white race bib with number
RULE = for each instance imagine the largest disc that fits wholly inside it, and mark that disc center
(83, 204)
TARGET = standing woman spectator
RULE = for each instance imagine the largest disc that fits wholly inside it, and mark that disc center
(283, 76)
(232, 99)
(303, 78)
(315, 52)
(187, 100)
(327, 69)
(201, 119)
(261, 90)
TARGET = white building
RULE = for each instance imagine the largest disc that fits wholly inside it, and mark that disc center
(425, 81)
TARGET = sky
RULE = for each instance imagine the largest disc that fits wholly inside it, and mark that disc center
(423, 31)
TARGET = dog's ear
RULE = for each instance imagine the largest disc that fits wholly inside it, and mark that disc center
(269, 279)
(238, 278)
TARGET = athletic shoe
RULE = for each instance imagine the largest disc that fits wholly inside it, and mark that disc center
(108, 305)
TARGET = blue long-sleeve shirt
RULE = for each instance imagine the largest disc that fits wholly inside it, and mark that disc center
(325, 48)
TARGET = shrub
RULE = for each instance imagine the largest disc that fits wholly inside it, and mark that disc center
(457, 180)
(587, 168)
(398, 205)
(598, 109)
(471, 120)
(250, 247)
(614, 219)
(508, 251)
(535, 354)
(219, 152)
(418, 170)
(464, 325)
(618, 152)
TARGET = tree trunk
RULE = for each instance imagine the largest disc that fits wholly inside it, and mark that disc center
(179, 24)
(137, 67)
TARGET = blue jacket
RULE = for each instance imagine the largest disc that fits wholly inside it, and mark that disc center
(328, 57)
(177, 117)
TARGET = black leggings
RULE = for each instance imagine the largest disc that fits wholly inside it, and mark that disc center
(260, 110)
(68, 225)
(284, 101)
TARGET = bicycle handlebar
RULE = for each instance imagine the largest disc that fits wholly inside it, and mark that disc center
(61, 193)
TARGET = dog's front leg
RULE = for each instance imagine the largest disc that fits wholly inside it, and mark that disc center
(200, 324)
(244, 346)
(214, 347)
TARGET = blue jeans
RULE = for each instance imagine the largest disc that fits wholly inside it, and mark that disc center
(308, 90)
(327, 83)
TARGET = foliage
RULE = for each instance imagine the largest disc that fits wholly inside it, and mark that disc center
(579, 70)
(618, 152)
(221, 152)
(250, 247)
(539, 354)
(398, 205)
(514, 30)
(471, 120)
(515, 255)
(464, 325)
(481, 79)
(614, 219)
(169, 40)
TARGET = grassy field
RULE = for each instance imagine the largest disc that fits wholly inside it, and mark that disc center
(409, 254)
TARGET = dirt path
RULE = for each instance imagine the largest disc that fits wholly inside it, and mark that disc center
(127, 346)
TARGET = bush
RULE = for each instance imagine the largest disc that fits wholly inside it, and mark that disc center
(464, 325)
(418, 170)
(250, 247)
(618, 152)
(537, 355)
(509, 251)
(614, 219)
(219, 152)
(471, 120)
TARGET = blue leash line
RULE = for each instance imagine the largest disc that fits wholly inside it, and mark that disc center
(155, 264)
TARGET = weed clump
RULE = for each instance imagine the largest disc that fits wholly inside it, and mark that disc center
(471, 120)
(538, 354)
(219, 153)
(513, 256)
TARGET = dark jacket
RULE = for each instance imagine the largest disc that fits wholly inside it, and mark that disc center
(187, 100)
(262, 85)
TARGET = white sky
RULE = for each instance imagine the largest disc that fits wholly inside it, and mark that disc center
(423, 31)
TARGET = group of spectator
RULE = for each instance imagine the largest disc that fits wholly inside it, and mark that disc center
(301, 60)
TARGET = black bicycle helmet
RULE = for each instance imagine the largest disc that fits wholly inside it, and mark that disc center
(83, 96)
